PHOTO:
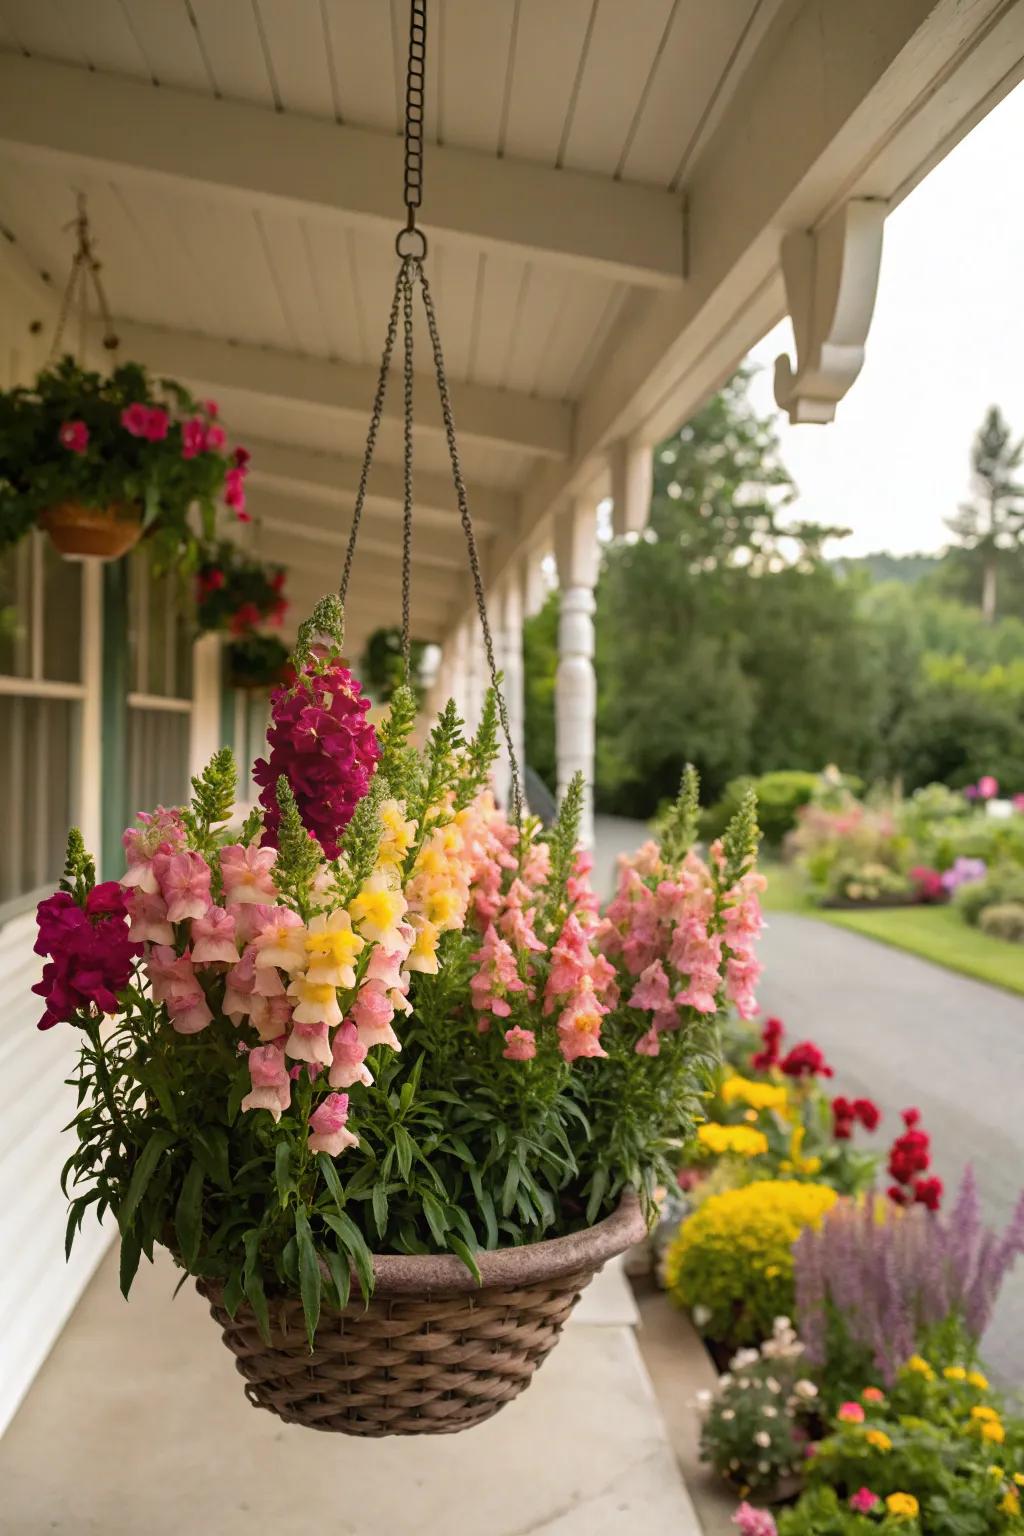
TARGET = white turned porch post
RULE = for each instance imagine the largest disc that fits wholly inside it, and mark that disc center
(576, 555)
(204, 732)
(457, 687)
(508, 653)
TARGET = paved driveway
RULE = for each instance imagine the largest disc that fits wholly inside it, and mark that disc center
(906, 1032)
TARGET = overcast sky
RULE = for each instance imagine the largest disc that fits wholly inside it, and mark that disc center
(947, 340)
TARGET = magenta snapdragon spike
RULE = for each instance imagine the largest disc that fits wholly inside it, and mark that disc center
(91, 953)
(321, 742)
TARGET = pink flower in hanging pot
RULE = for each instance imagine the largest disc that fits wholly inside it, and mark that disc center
(157, 424)
(74, 436)
(193, 437)
(234, 489)
(241, 457)
(214, 438)
(135, 419)
(271, 1085)
(349, 1058)
(246, 873)
(213, 938)
(327, 1123)
(184, 883)
(211, 408)
(520, 1044)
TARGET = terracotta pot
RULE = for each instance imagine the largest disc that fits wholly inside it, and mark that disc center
(104, 533)
(433, 1352)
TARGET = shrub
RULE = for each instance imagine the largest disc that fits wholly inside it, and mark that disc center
(1004, 920)
(1002, 885)
(732, 1260)
(779, 796)
(753, 1432)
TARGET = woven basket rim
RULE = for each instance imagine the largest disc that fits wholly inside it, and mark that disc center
(427, 1274)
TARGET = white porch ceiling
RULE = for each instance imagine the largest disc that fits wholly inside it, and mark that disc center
(242, 161)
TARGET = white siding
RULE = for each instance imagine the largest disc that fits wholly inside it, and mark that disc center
(37, 1289)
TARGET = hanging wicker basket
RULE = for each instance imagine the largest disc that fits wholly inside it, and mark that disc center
(433, 1352)
(103, 533)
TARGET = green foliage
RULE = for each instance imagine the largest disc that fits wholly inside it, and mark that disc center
(234, 590)
(398, 762)
(677, 830)
(779, 796)
(479, 753)
(992, 522)
(382, 665)
(256, 661)
(328, 620)
(79, 868)
(1004, 920)
(213, 799)
(1002, 885)
(298, 854)
(117, 468)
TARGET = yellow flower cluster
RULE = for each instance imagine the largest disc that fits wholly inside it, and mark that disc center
(878, 1440)
(902, 1506)
(759, 1096)
(734, 1254)
(986, 1422)
(919, 1365)
(743, 1140)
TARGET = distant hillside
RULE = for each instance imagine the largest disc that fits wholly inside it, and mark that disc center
(886, 567)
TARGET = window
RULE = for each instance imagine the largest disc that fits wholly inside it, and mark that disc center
(40, 708)
(160, 688)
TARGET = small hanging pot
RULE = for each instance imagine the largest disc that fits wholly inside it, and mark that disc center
(99, 533)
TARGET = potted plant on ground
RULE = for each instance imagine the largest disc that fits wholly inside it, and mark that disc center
(380, 1037)
(98, 461)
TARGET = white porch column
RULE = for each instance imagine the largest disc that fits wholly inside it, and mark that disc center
(508, 655)
(89, 765)
(576, 555)
(204, 733)
(455, 653)
(476, 674)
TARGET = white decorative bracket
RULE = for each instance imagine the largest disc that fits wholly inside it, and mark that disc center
(631, 469)
(831, 279)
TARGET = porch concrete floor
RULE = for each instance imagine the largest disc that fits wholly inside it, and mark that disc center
(137, 1424)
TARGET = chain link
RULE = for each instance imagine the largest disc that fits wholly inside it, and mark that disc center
(414, 97)
(467, 528)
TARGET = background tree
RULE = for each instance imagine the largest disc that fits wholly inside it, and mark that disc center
(990, 525)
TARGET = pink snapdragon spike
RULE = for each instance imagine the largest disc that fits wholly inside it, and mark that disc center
(348, 1065)
(322, 742)
(579, 1027)
(247, 874)
(174, 983)
(309, 1041)
(327, 1124)
(161, 831)
(520, 1044)
(213, 938)
(281, 941)
(652, 990)
(271, 1085)
(184, 883)
(91, 952)
(74, 436)
(270, 1017)
(240, 986)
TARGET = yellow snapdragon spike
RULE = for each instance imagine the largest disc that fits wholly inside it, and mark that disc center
(332, 945)
(378, 909)
(423, 954)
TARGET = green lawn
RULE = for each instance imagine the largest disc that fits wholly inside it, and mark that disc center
(935, 933)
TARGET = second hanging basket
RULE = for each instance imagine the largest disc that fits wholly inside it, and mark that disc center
(433, 1352)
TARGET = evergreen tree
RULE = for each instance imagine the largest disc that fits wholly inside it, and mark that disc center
(992, 522)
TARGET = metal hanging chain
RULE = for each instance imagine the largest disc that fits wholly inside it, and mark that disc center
(84, 268)
(411, 245)
(375, 420)
(467, 528)
(415, 77)
(409, 269)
